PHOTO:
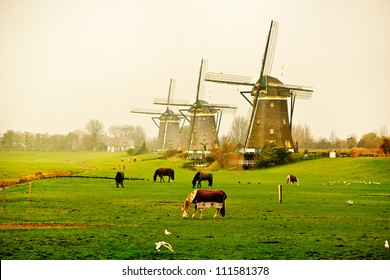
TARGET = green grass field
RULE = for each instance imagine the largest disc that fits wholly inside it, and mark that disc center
(80, 218)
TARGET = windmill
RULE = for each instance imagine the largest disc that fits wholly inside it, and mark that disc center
(269, 118)
(169, 123)
(204, 118)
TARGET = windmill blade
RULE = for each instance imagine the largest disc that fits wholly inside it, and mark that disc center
(171, 91)
(168, 101)
(229, 110)
(290, 87)
(228, 79)
(271, 47)
(220, 106)
(265, 69)
(145, 111)
(170, 95)
(302, 94)
(172, 102)
(202, 75)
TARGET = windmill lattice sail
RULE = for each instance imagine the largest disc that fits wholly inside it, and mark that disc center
(204, 118)
(168, 123)
(270, 118)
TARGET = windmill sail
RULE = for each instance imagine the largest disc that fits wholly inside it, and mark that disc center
(204, 118)
(268, 115)
(229, 79)
(144, 111)
(266, 67)
(197, 106)
(201, 85)
(168, 123)
(171, 90)
(270, 49)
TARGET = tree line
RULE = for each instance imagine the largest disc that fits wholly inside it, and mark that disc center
(303, 136)
(371, 140)
(94, 137)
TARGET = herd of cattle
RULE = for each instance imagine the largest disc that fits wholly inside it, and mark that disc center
(198, 198)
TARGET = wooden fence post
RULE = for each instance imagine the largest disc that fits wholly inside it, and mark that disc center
(280, 193)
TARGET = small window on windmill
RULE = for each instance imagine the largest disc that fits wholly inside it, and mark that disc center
(204, 137)
(213, 130)
(271, 131)
(257, 121)
(284, 121)
(272, 104)
(204, 118)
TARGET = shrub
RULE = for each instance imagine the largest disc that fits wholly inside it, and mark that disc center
(271, 155)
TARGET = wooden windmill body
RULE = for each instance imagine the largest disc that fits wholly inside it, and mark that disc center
(169, 131)
(168, 123)
(270, 119)
(203, 127)
(204, 118)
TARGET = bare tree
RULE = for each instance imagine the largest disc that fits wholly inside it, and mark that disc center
(303, 135)
(116, 132)
(351, 141)
(383, 131)
(369, 141)
(239, 129)
(334, 140)
(226, 146)
(95, 130)
(138, 136)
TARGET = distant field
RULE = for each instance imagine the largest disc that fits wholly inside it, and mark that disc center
(89, 218)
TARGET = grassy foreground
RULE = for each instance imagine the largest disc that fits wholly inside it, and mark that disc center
(80, 218)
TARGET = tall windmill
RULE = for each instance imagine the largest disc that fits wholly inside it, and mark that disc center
(269, 118)
(169, 123)
(204, 118)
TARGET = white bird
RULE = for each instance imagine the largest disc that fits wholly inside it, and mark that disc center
(167, 232)
(387, 244)
(349, 202)
(165, 244)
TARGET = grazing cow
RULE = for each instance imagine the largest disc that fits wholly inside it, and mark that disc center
(205, 199)
(120, 176)
(293, 179)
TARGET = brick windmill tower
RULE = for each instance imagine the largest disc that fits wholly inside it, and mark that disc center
(270, 120)
(168, 123)
(204, 118)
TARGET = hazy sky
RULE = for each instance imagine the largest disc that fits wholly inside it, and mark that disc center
(63, 63)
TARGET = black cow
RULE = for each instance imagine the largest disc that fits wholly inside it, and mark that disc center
(120, 176)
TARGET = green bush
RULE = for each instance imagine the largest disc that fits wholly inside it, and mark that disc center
(272, 155)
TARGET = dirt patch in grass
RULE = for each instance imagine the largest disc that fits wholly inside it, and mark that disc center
(5, 183)
(56, 225)
(37, 176)
(34, 226)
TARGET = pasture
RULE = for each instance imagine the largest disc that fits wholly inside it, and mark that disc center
(89, 218)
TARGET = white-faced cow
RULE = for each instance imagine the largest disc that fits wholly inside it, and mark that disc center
(120, 176)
